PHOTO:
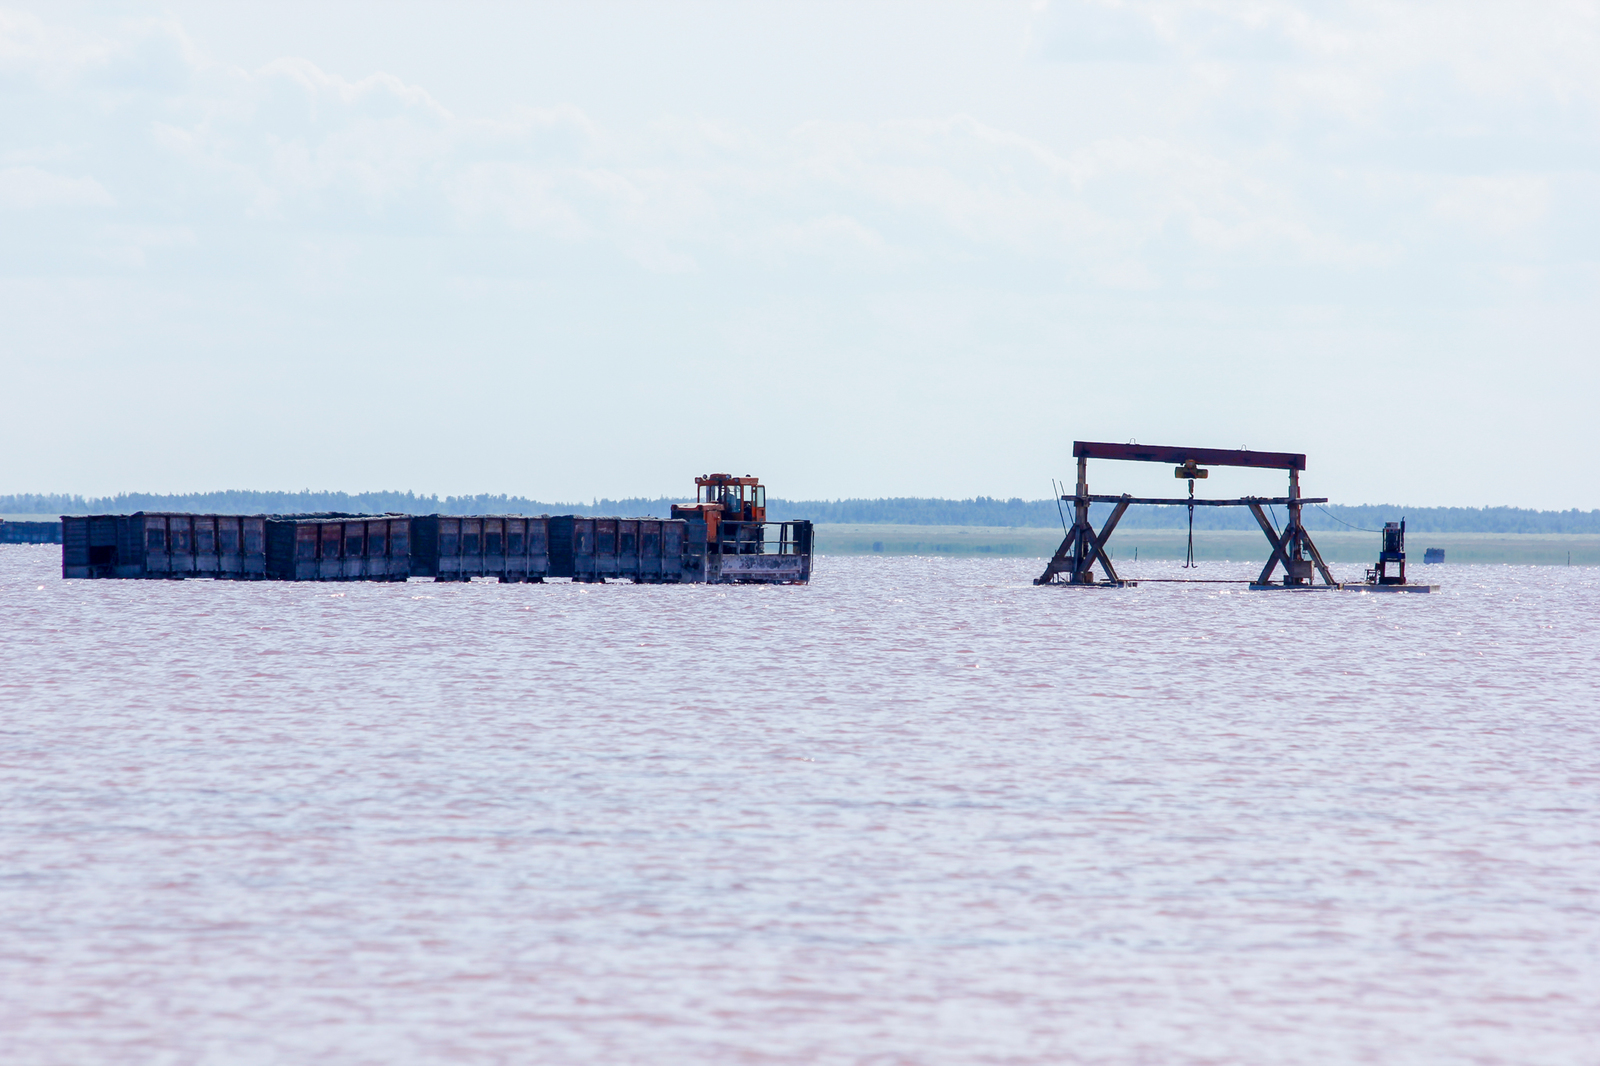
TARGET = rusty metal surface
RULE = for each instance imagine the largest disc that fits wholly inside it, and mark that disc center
(645, 550)
(509, 548)
(343, 548)
(1183, 501)
(1151, 453)
(767, 568)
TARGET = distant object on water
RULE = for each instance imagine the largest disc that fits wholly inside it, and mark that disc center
(30, 532)
(1433, 555)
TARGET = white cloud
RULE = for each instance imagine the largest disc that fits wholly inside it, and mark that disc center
(142, 56)
(1182, 170)
(1495, 206)
(1093, 31)
(293, 144)
(26, 188)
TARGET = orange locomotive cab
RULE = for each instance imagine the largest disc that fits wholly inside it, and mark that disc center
(724, 498)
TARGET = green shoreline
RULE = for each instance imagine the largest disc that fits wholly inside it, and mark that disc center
(1535, 549)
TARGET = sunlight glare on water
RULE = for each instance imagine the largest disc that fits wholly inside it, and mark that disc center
(917, 812)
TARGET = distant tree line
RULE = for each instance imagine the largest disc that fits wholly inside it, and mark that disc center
(237, 501)
(916, 511)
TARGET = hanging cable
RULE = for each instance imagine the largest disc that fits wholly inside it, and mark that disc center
(1188, 561)
(1342, 522)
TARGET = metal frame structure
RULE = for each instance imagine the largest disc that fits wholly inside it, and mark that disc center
(1074, 562)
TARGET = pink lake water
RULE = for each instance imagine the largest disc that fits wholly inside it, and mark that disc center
(917, 812)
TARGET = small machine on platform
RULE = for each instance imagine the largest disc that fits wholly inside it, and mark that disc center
(1392, 555)
(1389, 575)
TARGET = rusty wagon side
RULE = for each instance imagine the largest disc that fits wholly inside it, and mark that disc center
(149, 544)
(511, 548)
(339, 547)
(642, 550)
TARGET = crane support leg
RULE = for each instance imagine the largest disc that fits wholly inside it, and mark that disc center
(1290, 548)
(1082, 547)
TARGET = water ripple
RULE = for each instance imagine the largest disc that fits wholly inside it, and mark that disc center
(917, 812)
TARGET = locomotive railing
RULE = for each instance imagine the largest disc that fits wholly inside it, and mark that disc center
(764, 538)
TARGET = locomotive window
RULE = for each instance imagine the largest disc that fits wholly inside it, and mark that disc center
(761, 496)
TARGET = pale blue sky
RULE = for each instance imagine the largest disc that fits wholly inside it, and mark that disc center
(859, 249)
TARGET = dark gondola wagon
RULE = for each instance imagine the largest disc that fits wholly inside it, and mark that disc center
(511, 548)
(643, 550)
(164, 545)
(339, 548)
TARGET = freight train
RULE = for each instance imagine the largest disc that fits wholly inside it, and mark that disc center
(713, 541)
